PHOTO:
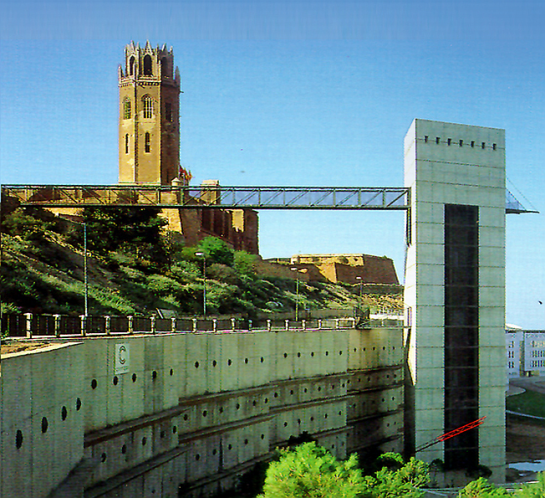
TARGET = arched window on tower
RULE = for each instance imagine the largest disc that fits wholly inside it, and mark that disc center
(126, 143)
(164, 67)
(147, 142)
(131, 66)
(147, 65)
(147, 105)
(126, 108)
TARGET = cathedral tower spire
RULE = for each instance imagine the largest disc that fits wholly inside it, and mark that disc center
(149, 110)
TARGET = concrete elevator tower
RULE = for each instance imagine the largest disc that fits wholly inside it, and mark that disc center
(455, 293)
(149, 111)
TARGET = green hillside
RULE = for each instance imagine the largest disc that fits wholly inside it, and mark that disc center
(134, 267)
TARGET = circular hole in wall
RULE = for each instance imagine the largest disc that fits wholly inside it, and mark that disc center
(64, 413)
(312, 354)
(246, 360)
(327, 353)
(262, 436)
(174, 429)
(162, 434)
(266, 400)
(325, 416)
(319, 388)
(221, 409)
(196, 364)
(94, 384)
(144, 441)
(262, 359)
(45, 425)
(214, 363)
(229, 362)
(78, 404)
(18, 439)
(305, 390)
(171, 372)
(186, 416)
(230, 447)
(312, 419)
(124, 449)
(116, 380)
(298, 355)
(154, 374)
(254, 402)
(291, 392)
(204, 413)
(276, 395)
(197, 457)
(285, 355)
(246, 441)
(238, 406)
(214, 451)
(103, 457)
(285, 424)
(340, 353)
(134, 377)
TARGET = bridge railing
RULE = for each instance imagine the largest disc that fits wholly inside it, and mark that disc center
(30, 325)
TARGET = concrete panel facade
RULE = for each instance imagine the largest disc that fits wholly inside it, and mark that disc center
(451, 164)
(190, 413)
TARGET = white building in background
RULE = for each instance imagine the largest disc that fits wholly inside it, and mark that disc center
(525, 352)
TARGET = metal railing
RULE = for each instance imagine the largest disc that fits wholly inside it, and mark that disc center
(29, 325)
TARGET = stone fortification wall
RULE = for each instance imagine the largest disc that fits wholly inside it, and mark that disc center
(190, 412)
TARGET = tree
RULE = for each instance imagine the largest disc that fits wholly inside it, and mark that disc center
(481, 488)
(397, 478)
(534, 489)
(136, 231)
(310, 471)
(216, 251)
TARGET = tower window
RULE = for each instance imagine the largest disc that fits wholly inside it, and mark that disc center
(127, 143)
(164, 67)
(147, 102)
(168, 112)
(126, 109)
(147, 142)
(131, 66)
(147, 65)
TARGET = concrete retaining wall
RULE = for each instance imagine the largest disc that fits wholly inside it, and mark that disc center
(186, 414)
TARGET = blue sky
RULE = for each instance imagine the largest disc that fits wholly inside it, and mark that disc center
(289, 93)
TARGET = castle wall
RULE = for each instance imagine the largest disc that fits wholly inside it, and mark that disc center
(193, 411)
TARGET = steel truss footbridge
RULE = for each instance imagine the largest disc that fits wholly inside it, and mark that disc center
(216, 196)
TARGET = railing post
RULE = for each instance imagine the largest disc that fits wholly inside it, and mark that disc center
(57, 322)
(269, 325)
(28, 325)
(233, 324)
(153, 331)
(320, 324)
(304, 324)
(214, 325)
(194, 325)
(287, 324)
(250, 323)
(108, 324)
(131, 327)
(336, 323)
(173, 324)
(83, 324)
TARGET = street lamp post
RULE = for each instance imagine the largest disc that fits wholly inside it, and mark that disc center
(296, 294)
(201, 254)
(85, 278)
(360, 280)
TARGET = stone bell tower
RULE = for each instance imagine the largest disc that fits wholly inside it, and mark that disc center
(149, 111)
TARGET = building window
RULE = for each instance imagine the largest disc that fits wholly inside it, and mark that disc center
(147, 103)
(493, 146)
(461, 143)
(449, 141)
(168, 112)
(473, 143)
(461, 299)
(164, 67)
(426, 139)
(437, 140)
(483, 145)
(131, 66)
(147, 66)
(126, 109)
(147, 142)
(127, 143)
